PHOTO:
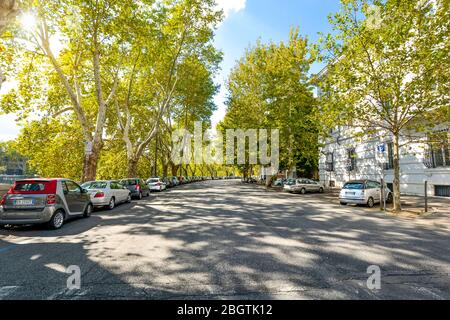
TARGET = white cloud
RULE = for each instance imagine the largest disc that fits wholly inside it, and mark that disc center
(231, 6)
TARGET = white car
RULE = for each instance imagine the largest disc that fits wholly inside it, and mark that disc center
(303, 186)
(366, 192)
(107, 193)
(156, 184)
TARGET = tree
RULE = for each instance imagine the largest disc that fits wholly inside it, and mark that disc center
(177, 47)
(86, 71)
(8, 10)
(387, 69)
(53, 147)
(269, 88)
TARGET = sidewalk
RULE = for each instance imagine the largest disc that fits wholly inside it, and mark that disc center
(411, 204)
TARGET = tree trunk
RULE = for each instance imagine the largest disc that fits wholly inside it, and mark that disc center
(90, 166)
(175, 170)
(397, 197)
(165, 169)
(132, 168)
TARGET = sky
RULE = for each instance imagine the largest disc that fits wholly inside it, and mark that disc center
(245, 22)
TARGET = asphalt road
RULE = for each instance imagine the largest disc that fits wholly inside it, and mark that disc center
(224, 240)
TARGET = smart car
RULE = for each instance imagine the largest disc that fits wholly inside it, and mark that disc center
(44, 201)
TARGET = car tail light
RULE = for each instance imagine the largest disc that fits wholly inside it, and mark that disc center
(158, 184)
(99, 195)
(51, 199)
(138, 187)
(3, 201)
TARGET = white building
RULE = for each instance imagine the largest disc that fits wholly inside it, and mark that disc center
(345, 157)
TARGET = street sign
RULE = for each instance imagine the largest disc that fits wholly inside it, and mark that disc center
(382, 148)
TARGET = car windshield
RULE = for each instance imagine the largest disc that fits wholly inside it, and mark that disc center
(290, 182)
(29, 187)
(95, 185)
(153, 180)
(354, 186)
(129, 182)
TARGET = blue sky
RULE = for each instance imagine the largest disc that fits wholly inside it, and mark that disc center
(247, 21)
(268, 20)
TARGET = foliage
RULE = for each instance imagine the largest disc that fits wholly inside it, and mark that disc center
(269, 89)
(387, 69)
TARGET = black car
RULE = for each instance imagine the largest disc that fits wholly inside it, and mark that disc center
(138, 187)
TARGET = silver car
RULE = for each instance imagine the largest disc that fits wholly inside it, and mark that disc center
(107, 193)
(39, 201)
(156, 184)
(366, 192)
(303, 186)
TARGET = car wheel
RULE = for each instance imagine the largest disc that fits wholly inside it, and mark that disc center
(57, 220)
(129, 198)
(140, 196)
(303, 191)
(370, 202)
(321, 190)
(88, 211)
(112, 204)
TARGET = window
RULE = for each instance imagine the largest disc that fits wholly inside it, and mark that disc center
(354, 186)
(329, 165)
(373, 185)
(351, 160)
(95, 185)
(29, 187)
(442, 191)
(72, 187)
(439, 145)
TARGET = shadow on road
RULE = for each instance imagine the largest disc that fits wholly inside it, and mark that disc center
(224, 239)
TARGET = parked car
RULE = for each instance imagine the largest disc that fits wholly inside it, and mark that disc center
(175, 181)
(138, 187)
(365, 192)
(279, 182)
(44, 201)
(156, 184)
(107, 193)
(167, 182)
(303, 186)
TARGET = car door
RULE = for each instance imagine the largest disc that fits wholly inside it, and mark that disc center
(119, 192)
(311, 186)
(74, 197)
(374, 190)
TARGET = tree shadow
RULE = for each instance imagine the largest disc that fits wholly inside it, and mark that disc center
(203, 241)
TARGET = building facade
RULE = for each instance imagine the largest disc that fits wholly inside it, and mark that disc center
(346, 156)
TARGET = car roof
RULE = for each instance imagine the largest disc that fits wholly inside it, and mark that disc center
(41, 179)
(100, 181)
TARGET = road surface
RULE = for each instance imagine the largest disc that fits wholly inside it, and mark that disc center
(224, 240)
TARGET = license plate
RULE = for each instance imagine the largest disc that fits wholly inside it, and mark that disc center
(28, 202)
(350, 193)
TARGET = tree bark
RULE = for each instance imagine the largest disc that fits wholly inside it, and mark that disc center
(132, 168)
(397, 196)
